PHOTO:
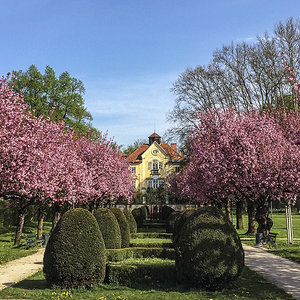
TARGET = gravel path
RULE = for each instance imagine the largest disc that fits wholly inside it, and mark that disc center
(19, 269)
(282, 272)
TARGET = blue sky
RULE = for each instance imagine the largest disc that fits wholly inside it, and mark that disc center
(128, 53)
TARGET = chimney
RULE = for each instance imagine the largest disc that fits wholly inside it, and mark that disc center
(174, 147)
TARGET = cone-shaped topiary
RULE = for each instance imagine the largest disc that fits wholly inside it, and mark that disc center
(109, 228)
(75, 254)
(179, 221)
(124, 226)
(138, 216)
(166, 211)
(208, 252)
(171, 221)
(131, 221)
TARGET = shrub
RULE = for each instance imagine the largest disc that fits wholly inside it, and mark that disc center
(166, 211)
(75, 253)
(124, 226)
(138, 216)
(140, 252)
(208, 251)
(109, 228)
(147, 272)
(144, 209)
(171, 221)
(179, 222)
(131, 221)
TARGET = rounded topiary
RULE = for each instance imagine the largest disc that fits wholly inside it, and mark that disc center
(179, 221)
(138, 216)
(171, 221)
(131, 221)
(208, 252)
(124, 226)
(109, 228)
(166, 211)
(75, 253)
(145, 211)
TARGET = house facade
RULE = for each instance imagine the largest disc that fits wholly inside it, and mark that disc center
(151, 164)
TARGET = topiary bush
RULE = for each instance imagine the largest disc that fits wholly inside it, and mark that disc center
(145, 211)
(138, 216)
(124, 226)
(131, 221)
(179, 221)
(109, 228)
(75, 253)
(208, 252)
(166, 211)
(171, 221)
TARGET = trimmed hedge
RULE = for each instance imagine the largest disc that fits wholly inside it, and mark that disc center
(171, 221)
(179, 222)
(138, 216)
(131, 221)
(140, 252)
(151, 244)
(166, 211)
(144, 272)
(151, 235)
(109, 228)
(124, 226)
(75, 254)
(208, 250)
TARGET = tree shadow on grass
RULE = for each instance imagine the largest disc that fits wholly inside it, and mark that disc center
(32, 284)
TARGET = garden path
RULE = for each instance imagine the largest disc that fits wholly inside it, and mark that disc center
(282, 272)
(21, 268)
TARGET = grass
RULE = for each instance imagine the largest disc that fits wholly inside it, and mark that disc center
(285, 250)
(10, 252)
(249, 286)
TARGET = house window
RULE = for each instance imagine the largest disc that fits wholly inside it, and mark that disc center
(161, 182)
(133, 170)
(134, 183)
(150, 184)
(177, 169)
(160, 165)
(155, 164)
(149, 165)
(155, 183)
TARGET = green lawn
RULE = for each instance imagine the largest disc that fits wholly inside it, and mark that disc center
(9, 252)
(249, 286)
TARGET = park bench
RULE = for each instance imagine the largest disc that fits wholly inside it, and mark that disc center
(270, 240)
(32, 240)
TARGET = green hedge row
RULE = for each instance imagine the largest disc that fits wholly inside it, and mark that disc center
(139, 252)
(151, 245)
(151, 235)
(137, 274)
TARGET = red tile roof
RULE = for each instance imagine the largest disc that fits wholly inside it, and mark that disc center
(154, 135)
(136, 156)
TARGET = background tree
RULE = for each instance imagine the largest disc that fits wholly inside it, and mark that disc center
(45, 92)
(243, 157)
(242, 76)
(137, 143)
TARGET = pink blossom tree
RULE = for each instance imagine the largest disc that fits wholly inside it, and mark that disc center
(243, 157)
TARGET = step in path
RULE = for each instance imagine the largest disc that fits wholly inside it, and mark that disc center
(282, 272)
(21, 268)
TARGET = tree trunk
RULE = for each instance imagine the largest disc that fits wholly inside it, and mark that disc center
(251, 217)
(262, 218)
(56, 216)
(239, 215)
(21, 218)
(227, 210)
(41, 216)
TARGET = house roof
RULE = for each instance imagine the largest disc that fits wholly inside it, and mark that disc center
(154, 135)
(136, 156)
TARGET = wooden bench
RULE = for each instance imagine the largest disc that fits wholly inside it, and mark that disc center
(32, 240)
(270, 240)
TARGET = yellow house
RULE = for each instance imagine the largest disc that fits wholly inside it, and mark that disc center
(152, 163)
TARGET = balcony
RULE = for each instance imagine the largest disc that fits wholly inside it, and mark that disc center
(154, 172)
